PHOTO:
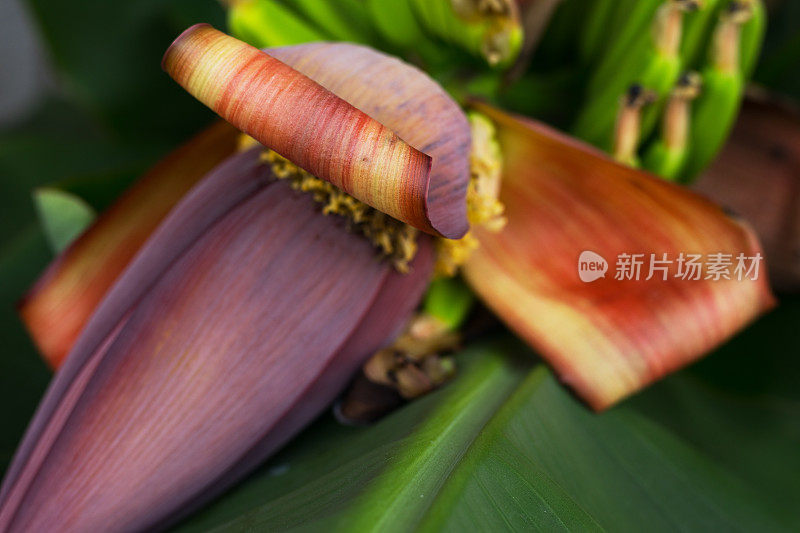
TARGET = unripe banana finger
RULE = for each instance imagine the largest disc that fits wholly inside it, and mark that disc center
(491, 30)
(594, 38)
(267, 24)
(342, 20)
(723, 82)
(667, 155)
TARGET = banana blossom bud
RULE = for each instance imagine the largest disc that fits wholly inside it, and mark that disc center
(240, 315)
(243, 310)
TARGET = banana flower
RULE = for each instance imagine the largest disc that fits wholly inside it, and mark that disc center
(215, 310)
(245, 310)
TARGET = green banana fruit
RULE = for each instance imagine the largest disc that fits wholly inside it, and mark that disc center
(491, 30)
(753, 32)
(626, 30)
(342, 20)
(267, 24)
(723, 89)
(397, 24)
(667, 155)
(698, 27)
(699, 30)
(593, 40)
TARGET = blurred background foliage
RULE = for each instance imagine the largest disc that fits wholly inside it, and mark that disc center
(781, 55)
(715, 445)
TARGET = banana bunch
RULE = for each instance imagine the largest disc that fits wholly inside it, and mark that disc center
(623, 58)
(418, 29)
(633, 54)
(644, 50)
(667, 155)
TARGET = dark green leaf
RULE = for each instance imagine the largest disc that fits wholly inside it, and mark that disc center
(778, 68)
(23, 375)
(502, 447)
(55, 144)
(741, 406)
(108, 55)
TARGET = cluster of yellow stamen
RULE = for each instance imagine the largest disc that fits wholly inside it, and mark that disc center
(483, 207)
(396, 240)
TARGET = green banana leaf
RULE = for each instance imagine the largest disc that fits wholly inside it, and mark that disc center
(505, 447)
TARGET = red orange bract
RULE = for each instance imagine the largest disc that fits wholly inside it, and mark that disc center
(609, 338)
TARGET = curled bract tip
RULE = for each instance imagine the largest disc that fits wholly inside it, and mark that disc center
(371, 125)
